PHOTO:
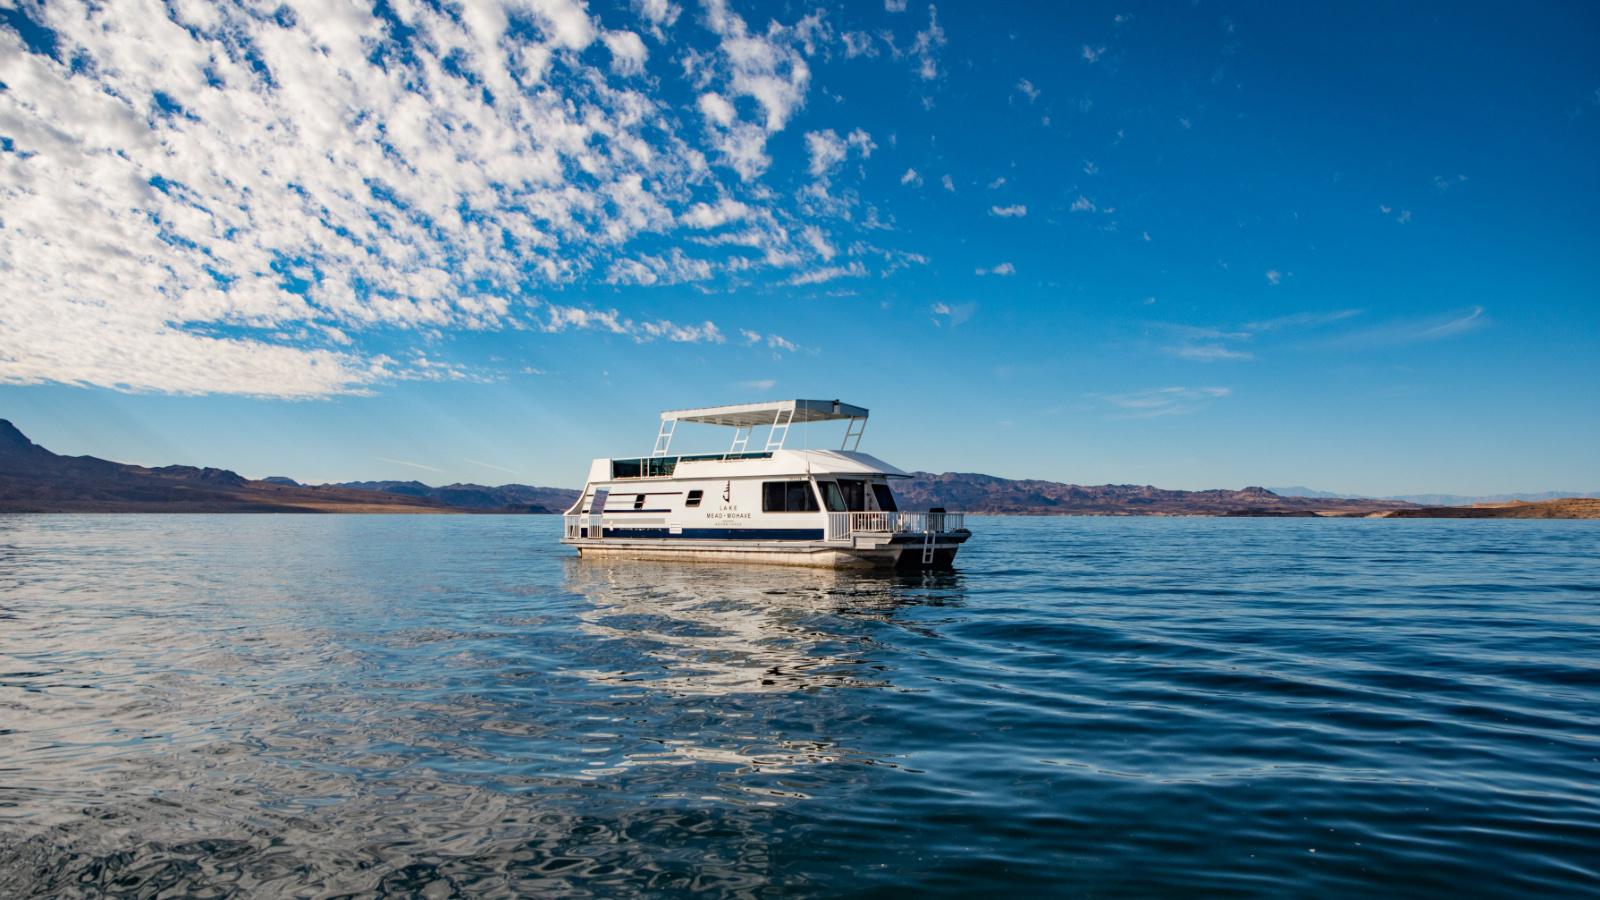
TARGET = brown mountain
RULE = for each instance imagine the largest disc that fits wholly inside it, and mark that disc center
(1565, 508)
(32, 479)
(971, 492)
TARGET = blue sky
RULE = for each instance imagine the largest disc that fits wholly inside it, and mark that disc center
(1208, 246)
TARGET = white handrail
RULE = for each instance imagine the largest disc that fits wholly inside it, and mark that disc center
(844, 524)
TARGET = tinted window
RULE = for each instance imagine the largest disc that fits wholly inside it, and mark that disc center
(831, 496)
(855, 494)
(694, 498)
(884, 497)
(626, 468)
(788, 496)
(638, 501)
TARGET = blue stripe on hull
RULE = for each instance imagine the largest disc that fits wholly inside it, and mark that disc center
(716, 534)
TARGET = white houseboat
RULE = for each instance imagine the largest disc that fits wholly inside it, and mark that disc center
(831, 508)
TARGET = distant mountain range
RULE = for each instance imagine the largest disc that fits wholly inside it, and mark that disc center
(1443, 499)
(33, 479)
(972, 492)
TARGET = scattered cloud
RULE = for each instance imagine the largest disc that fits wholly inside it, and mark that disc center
(236, 211)
(927, 44)
(911, 178)
(828, 273)
(758, 384)
(563, 318)
(1004, 268)
(953, 315)
(1418, 330)
(1082, 204)
(1274, 277)
(408, 464)
(1015, 211)
(1092, 54)
(997, 183)
(828, 150)
(1209, 353)
(894, 6)
(1026, 89)
(1166, 401)
(482, 464)
(949, 183)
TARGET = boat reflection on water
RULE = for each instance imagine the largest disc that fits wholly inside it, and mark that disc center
(719, 630)
(755, 671)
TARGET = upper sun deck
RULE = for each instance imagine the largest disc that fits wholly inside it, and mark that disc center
(774, 415)
(744, 418)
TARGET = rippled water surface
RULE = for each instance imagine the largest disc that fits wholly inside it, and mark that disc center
(305, 705)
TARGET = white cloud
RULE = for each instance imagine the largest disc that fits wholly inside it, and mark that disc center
(704, 215)
(858, 43)
(894, 6)
(911, 178)
(927, 44)
(1026, 88)
(828, 273)
(953, 315)
(1274, 277)
(1210, 353)
(628, 53)
(1166, 401)
(997, 183)
(758, 384)
(562, 318)
(244, 233)
(1092, 54)
(1004, 268)
(1009, 212)
(827, 150)
(1082, 204)
(949, 183)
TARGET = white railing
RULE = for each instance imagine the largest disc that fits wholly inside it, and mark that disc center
(844, 524)
(573, 525)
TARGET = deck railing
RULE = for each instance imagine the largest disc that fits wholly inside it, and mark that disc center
(843, 524)
(840, 524)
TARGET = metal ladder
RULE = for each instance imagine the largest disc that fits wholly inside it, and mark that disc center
(927, 548)
(852, 433)
(780, 429)
(664, 437)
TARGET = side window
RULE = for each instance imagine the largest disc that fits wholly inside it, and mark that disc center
(884, 496)
(788, 496)
(638, 501)
(855, 494)
(832, 497)
(694, 499)
(772, 496)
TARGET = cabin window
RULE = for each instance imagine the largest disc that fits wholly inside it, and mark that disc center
(625, 468)
(638, 501)
(694, 499)
(884, 496)
(855, 494)
(832, 497)
(787, 496)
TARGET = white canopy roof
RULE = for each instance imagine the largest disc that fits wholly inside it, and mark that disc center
(751, 415)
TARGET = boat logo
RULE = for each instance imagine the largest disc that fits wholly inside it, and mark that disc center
(727, 491)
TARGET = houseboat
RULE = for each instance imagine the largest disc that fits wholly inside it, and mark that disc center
(828, 508)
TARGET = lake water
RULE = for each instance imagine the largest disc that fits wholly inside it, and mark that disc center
(418, 705)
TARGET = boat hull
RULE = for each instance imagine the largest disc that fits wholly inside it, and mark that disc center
(893, 554)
